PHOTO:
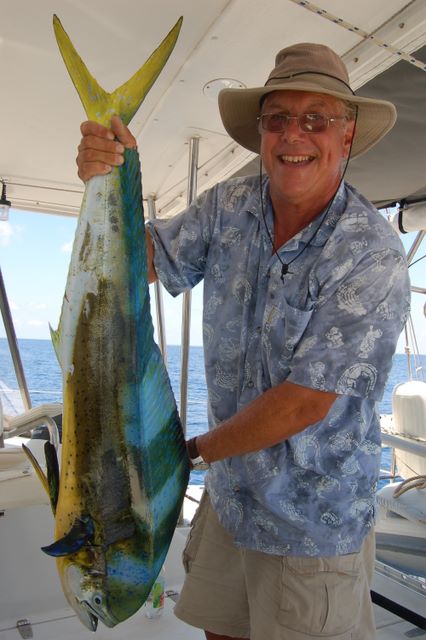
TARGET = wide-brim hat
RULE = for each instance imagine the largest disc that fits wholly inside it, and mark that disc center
(307, 67)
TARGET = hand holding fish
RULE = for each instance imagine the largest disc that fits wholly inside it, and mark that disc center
(101, 148)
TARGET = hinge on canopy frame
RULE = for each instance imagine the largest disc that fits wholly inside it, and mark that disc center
(25, 629)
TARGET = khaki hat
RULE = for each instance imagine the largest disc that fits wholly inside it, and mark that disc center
(313, 68)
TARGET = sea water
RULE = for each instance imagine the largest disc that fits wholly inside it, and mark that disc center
(45, 383)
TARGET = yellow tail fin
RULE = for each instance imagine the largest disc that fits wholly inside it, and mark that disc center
(124, 101)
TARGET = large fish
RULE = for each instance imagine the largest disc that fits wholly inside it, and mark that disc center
(124, 467)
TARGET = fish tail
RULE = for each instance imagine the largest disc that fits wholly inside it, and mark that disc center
(124, 101)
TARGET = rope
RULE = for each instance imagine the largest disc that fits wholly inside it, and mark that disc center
(191, 498)
(416, 482)
(364, 34)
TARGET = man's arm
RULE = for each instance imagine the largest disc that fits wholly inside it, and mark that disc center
(274, 416)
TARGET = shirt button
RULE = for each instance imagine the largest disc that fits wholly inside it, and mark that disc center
(259, 329)
(250, 384)
(236, 489)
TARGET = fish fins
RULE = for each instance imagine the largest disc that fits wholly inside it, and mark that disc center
(55, 336)
(124, 101)
(39, 471)
(51, 481)
(52, 474)
(80, 534)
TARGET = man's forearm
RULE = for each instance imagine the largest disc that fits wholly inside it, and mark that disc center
(271, 418)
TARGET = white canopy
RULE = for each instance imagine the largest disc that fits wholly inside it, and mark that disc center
(237, 39)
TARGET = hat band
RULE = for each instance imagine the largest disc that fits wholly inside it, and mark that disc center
(295, 76)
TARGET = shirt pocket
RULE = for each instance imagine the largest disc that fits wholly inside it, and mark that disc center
(295, 323)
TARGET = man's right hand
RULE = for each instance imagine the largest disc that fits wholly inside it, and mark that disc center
(101, 149)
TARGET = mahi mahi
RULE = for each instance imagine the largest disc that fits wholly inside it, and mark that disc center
(124, 467)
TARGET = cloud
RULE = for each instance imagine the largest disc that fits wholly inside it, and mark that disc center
(9, 232)
(6, 233)
(37, 306)
(67, 248)
(36, 323)
(13, 306)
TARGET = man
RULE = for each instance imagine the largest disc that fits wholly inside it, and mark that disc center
(306, 292)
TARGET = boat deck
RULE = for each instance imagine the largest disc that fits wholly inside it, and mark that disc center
(67, 627)
(31, 597)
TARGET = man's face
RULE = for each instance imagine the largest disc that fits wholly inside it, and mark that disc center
(304, 168)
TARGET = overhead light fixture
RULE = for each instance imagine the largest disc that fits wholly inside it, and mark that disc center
(212, 88)
(5, 204)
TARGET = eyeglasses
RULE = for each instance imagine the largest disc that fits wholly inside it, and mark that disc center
(308, 122)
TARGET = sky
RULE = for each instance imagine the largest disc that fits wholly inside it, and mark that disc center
(35, 251)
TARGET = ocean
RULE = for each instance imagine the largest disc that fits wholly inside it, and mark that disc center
(45, 385)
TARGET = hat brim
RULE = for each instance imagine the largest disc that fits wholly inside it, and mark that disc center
(239, 109)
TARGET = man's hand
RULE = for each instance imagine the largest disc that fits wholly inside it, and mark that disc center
(101, 149)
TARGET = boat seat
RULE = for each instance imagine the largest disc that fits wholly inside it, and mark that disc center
(19, 484)
(24, 422)
(409, 504)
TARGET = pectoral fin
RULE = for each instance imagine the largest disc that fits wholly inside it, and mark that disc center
(80, 534)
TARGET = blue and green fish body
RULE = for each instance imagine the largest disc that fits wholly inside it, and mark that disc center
(124, 466)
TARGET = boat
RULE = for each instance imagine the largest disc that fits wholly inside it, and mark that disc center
(185, 150)
(401, 504)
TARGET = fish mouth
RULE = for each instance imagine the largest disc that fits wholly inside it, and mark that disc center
(87, 616)
(95, 616)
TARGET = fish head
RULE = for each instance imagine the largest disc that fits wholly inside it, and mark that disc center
(83, 588)
(105, 582)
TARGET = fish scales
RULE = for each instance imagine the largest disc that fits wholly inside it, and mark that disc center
(124, 466)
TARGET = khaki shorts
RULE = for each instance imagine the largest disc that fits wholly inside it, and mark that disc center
(248, 594)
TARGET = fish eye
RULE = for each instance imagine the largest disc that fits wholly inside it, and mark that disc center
(97, 600)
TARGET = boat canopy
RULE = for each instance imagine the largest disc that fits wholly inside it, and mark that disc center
(221, 41)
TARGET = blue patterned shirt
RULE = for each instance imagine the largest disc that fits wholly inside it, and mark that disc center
(331, 324)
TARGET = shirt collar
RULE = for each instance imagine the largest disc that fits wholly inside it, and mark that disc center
(316, 232)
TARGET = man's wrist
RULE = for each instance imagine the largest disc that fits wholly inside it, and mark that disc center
(197, 461)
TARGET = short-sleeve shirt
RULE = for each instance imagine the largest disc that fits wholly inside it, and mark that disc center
(331, 323)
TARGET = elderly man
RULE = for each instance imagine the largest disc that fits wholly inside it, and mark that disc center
(306, 292)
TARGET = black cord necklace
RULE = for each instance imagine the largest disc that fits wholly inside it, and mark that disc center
(285, 265)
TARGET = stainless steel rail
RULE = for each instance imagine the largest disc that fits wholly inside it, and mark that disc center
(25, 422)
(162, 343)
(13, 345)
(186, 302)
(403, 443)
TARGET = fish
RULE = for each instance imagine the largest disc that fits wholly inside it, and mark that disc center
(124, 467)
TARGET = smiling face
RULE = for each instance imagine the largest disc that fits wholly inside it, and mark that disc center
(304, 168)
